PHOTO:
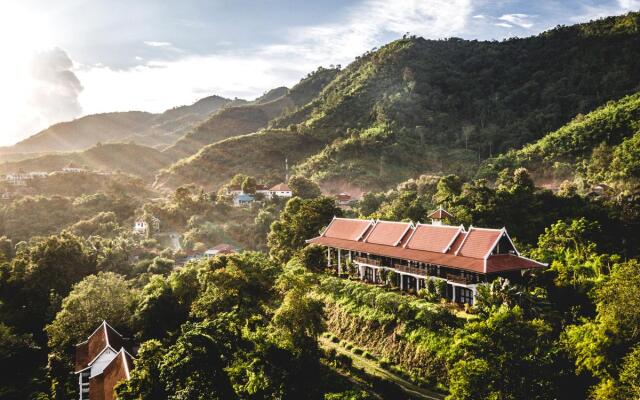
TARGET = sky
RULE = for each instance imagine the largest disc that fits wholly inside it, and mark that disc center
(69, 58)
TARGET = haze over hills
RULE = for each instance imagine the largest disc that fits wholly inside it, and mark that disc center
(417, 106)
(130, 158)
(251, 117)
(141, 127)
(602, 146)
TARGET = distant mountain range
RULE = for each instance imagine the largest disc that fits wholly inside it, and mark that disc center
(416, 106)
(413, 106)
(140, 127)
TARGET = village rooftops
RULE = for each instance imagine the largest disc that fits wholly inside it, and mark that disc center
(479, 250)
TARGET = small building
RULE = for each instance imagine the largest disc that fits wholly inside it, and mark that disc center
(415, 253)
(72, 168)
(344, 199)
(263, 190)
(280, 190)
(233, 190)
(101, 362)
(141, 226)
(243, 199)
(18, 179)
(439, 216)
(220, 249)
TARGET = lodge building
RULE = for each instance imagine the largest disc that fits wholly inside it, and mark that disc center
(463, 258)
(101, 362)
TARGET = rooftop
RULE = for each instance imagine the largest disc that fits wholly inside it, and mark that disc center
(480, 250)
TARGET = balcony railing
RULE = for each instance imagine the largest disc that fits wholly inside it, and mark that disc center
(365, 260)
(416, 271)
(411, 270)
(459, 279)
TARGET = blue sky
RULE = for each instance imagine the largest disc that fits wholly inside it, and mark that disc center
(74, 57)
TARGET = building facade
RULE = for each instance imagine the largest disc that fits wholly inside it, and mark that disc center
(415, 253)
(101, 362)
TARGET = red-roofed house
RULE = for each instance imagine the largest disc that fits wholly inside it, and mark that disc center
(280, 190)
(101, 362)
(462, 258)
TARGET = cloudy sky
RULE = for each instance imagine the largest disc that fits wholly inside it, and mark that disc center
(67, 58)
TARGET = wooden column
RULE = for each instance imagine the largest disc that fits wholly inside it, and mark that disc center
(339, 263)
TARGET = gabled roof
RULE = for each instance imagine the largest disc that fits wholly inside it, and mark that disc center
(388, 233)
(344, 228)
(448, 246)
(119, 368)
(479, 242)
(433, 237)
(280, 187)
(103, 337)
(440, 213)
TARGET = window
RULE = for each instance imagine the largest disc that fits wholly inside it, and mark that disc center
(464, 295)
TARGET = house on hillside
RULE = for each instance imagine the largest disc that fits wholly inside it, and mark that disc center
(461, 258)
(243, 199)
(344, 199)
(233, 190)
(280, 190)
(72, 168)
(101, 362)
(141, 226)
(220, 249)
(263, 190)
(18, 179)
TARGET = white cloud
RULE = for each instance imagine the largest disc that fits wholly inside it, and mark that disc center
(521, 20)
(157, 44)
(479, 16)
(629, 5)
(503, 25)
(158, 84)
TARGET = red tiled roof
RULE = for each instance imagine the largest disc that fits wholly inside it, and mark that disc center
(479, 242)
(280, 187)
(439, 214)
(388, 233)
(433, 237)
(504, 262)
(424, 243)
(350, 229)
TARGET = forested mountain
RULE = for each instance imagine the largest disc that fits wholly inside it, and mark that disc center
(131, 158)
(248, 118)
(419, 105)
(602, 146)
(142, 127)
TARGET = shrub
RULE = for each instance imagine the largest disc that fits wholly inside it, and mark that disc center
(357, 351)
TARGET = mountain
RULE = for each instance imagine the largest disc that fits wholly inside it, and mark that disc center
(601, 146)
(248, 118)
(141, 127)
(130, 158)
(417, 106)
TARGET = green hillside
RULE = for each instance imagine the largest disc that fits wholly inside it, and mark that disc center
(416, 105)
(601, 146)
(127, 157)
(243, 119)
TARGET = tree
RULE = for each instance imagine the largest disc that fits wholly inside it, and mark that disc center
(194, 367)
(299, 221)
(159, 312)
(102, 297)
(313, 257)
(145, 382)
(249, 185)
(21, 358)
(39, 277)
(502, 357)
(303, 187)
